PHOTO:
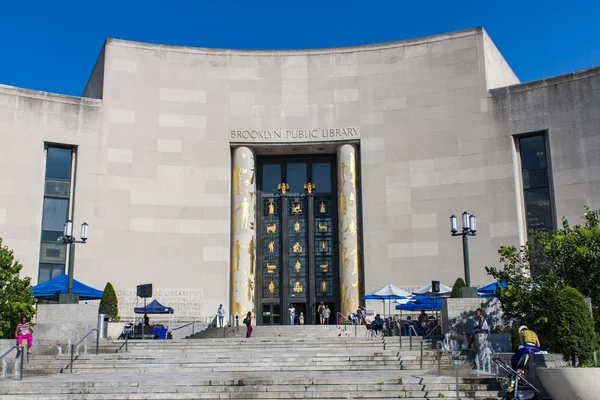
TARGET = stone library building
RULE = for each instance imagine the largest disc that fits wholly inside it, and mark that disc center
(261, 179)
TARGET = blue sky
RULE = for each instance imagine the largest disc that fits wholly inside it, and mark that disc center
(53, 45)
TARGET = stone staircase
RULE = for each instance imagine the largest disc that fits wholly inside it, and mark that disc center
(279, 362)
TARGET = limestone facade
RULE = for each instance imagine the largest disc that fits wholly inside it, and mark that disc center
(433, 122)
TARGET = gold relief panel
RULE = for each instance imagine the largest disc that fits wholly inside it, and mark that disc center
(322, 208)
(272, 228)
(297, 208)
(271, 268)
(297, 248)
(298, 287)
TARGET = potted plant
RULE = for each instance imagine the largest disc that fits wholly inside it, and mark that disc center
(109, 305)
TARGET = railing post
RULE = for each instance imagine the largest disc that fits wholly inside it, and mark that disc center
(22, 350)
(400, 341)
(410, 339)
(193, 325)
(421, 359)
(71, 365)
(457, 393)
(439, 360)
(97, 340)
(355, 331)
(126, 340)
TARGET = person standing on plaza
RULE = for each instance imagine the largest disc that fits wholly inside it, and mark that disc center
(321, 311)
(327, 314)
(292, 312)
(24, 331)
(301, 318)
(248, 322)
(220, 316)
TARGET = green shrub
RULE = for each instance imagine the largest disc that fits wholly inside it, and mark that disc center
(16, 298)
(109, 304)
(573, 327)
(458, 285)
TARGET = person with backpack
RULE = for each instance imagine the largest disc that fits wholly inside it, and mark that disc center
(321, 311)
(248, 322)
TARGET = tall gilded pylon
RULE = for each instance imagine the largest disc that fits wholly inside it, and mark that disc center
(243, 238)
(348, 229)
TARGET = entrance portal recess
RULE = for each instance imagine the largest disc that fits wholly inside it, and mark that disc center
(297, 252)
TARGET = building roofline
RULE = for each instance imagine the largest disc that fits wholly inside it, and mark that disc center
(571, 76)
(346, 49)
(41, 95)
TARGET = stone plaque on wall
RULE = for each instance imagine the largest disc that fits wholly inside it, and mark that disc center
(185, 302)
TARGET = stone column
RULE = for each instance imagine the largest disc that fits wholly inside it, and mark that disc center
(348, 229)
(243, 237)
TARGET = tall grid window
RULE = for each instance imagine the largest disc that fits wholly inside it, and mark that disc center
(57, 198)
(536, 183)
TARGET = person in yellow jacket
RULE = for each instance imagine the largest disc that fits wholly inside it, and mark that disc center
(530, 344)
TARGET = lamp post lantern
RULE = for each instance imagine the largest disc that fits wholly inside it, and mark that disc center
(70, 240)
(469, 228)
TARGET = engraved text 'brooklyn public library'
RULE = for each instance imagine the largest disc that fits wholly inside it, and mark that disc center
(295, 135)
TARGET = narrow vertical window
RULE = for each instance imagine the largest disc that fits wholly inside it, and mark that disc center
(57, 199)
(536, 183)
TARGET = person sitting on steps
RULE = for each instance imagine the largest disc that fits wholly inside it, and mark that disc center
(24, 331)
(480, 325)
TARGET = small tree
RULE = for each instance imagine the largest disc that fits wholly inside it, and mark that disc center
(573, 328)
(109, 304)
(16, 298)
(458, 285)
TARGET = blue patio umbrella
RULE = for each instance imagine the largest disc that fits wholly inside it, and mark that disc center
(388, 292)
(50, 290)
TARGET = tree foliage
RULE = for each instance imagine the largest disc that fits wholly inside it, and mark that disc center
(16, 298)
(573, 328)
(109, 304)
(456, 288)
(537, 273)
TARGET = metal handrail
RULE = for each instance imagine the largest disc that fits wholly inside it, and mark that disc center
(21, 349)
(73, 358)
(348, 322)
(124, 344)
(7, 352)
(183, 326)
(441, 347)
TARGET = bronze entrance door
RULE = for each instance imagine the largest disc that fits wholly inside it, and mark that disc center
(297, 238)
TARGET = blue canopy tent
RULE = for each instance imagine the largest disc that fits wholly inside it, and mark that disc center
(50, 290)
(490, 290)
(418, 303)
(153, 308)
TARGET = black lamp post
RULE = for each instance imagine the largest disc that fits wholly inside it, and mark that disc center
(469, 228)
(70, 240)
